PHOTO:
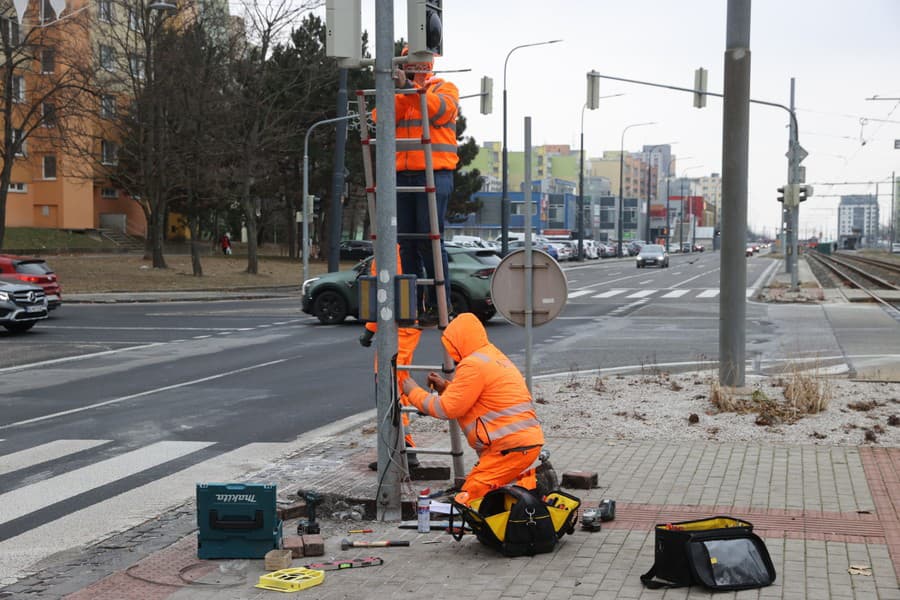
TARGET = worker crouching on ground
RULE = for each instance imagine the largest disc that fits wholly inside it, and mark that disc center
(490, 400)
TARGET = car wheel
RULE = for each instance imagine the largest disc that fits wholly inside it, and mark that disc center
(458, 302)
(19, 327)
(330, 307)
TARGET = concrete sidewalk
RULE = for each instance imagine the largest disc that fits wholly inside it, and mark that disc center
(820, 510)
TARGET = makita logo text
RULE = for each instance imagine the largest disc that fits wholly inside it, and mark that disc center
(235, 497)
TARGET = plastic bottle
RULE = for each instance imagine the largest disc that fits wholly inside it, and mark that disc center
(423, 509)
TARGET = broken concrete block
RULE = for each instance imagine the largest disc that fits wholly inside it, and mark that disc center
(582, 480)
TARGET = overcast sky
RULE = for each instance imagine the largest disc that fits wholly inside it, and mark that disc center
(840, 53)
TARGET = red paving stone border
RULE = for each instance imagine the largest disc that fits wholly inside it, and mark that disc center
(882, 467)
(155, 578)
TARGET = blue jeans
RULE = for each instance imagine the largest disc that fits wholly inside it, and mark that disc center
(412, 217)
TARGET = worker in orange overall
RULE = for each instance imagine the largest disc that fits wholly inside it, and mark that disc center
(491, 402)
(407, 340)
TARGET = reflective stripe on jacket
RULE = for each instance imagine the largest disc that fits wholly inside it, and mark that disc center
(442, 98)
(487, 396)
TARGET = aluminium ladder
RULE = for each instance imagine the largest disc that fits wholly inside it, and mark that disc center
(439, 280)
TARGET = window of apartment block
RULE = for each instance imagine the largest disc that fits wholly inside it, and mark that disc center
(107, 57)
(135, 18)
(109, 152)
(105, 10)
(109, 192)
(136, 64)
(47, 12)
(48, 60)
(10, 31)
(50, 166)
(16, 139)
(107, 106)
(18, 88)
(17, 186)
(49, 114)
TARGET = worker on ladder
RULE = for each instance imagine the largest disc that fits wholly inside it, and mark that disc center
(490, 400)
(412, 207)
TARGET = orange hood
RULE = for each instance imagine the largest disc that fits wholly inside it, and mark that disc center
(464, 335)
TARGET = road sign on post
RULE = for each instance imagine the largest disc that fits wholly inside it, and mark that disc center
(549, 291)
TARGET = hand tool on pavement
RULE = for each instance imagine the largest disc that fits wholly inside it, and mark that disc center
(347, 544)
(309, 525)
(339, 565)
(590, 519)
(607, 510)
(359, 531)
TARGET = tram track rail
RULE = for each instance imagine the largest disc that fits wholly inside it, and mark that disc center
(871, 276)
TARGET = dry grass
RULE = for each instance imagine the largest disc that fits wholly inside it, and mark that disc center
(131, 273)
(804, 392)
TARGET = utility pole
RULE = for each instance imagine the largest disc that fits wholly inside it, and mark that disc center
(735, 157)
(795, 155)
(337, 176)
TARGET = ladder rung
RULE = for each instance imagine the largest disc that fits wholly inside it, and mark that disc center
(417, 142)
(417, 450)
(435, 368)
(411, 188)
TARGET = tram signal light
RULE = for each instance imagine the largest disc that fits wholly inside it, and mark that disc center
(425, 26)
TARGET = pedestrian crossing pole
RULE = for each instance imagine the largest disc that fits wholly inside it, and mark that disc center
(389, 442)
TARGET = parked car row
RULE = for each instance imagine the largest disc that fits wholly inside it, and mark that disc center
(29, 290)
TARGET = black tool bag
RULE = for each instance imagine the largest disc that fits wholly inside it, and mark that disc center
(517, 522)
(720, 553)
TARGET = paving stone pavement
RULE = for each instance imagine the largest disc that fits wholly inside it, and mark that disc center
(820, 509)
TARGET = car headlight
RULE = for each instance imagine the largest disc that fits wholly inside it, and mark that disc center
(4, 296)
(305, 288)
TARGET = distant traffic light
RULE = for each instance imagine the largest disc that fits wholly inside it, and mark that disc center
(425, 26)
(781, 194)
(487, 95)
(700, 77)
(593, 90)
(804, 192)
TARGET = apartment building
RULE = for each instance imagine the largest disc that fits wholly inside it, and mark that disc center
(858, 217)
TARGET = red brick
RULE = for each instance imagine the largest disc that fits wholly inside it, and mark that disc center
(295, 544)
(291, 511)
(313, 545)
(582, 480)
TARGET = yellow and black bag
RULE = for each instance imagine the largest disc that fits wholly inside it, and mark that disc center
(517, 522)
(721, 553)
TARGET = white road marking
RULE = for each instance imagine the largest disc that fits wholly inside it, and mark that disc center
(641, 294)
(609, 294)
(144, 393)
(56, 361)
(708, 294)
(44, 453)
(30, 498)
(675, 294)
(580, 293)
(130, 508)
(646, 282)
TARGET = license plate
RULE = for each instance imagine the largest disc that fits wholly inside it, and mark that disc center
(35, 308)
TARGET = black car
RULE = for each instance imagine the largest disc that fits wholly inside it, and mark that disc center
(356, 249)
(652, 255)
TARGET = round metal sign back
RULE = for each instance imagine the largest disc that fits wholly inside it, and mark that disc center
(549, 287)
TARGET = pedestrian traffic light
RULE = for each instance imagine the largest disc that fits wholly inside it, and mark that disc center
(425, 26)
(487, 95)
(804, 192)
(316, 204)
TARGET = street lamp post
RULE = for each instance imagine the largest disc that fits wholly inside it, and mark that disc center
(649, 164)
(681, 212)
(504, 200)
(668, 219)
(621, 181)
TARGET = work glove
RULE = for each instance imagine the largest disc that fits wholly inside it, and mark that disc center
(365, 340)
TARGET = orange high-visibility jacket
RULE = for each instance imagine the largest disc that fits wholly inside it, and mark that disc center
(442, 99)
(487, 396)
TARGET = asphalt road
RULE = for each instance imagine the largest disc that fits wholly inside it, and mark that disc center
(105, 404)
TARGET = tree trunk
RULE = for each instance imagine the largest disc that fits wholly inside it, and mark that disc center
(159, 235)
(196, 246)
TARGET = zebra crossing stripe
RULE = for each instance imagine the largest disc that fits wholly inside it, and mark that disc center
(708, 294)
(676, 294)
(609, 294)
(579, 293)
(44, 453)
(642, 294)
(29, 498)
(130, 508)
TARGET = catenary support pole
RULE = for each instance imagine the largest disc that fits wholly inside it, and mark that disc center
(335, 211)
(794, 178)
(387, 498)
(735, 153)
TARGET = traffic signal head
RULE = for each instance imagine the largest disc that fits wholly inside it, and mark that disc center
(805, 191)
(487, 95)
(593, 90)
(700, 78)
(425, 26)
(781, 194)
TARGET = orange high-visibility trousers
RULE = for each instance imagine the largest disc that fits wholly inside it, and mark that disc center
(495, 470)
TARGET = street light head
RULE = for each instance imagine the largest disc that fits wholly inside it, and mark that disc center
(162, 5)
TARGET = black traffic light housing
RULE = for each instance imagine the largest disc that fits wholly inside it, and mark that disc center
(781, 194)
(425, 26)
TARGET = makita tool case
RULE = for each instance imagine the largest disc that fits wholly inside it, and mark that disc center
(236, 520)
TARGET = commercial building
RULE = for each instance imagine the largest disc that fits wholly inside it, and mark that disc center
(858, 217)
